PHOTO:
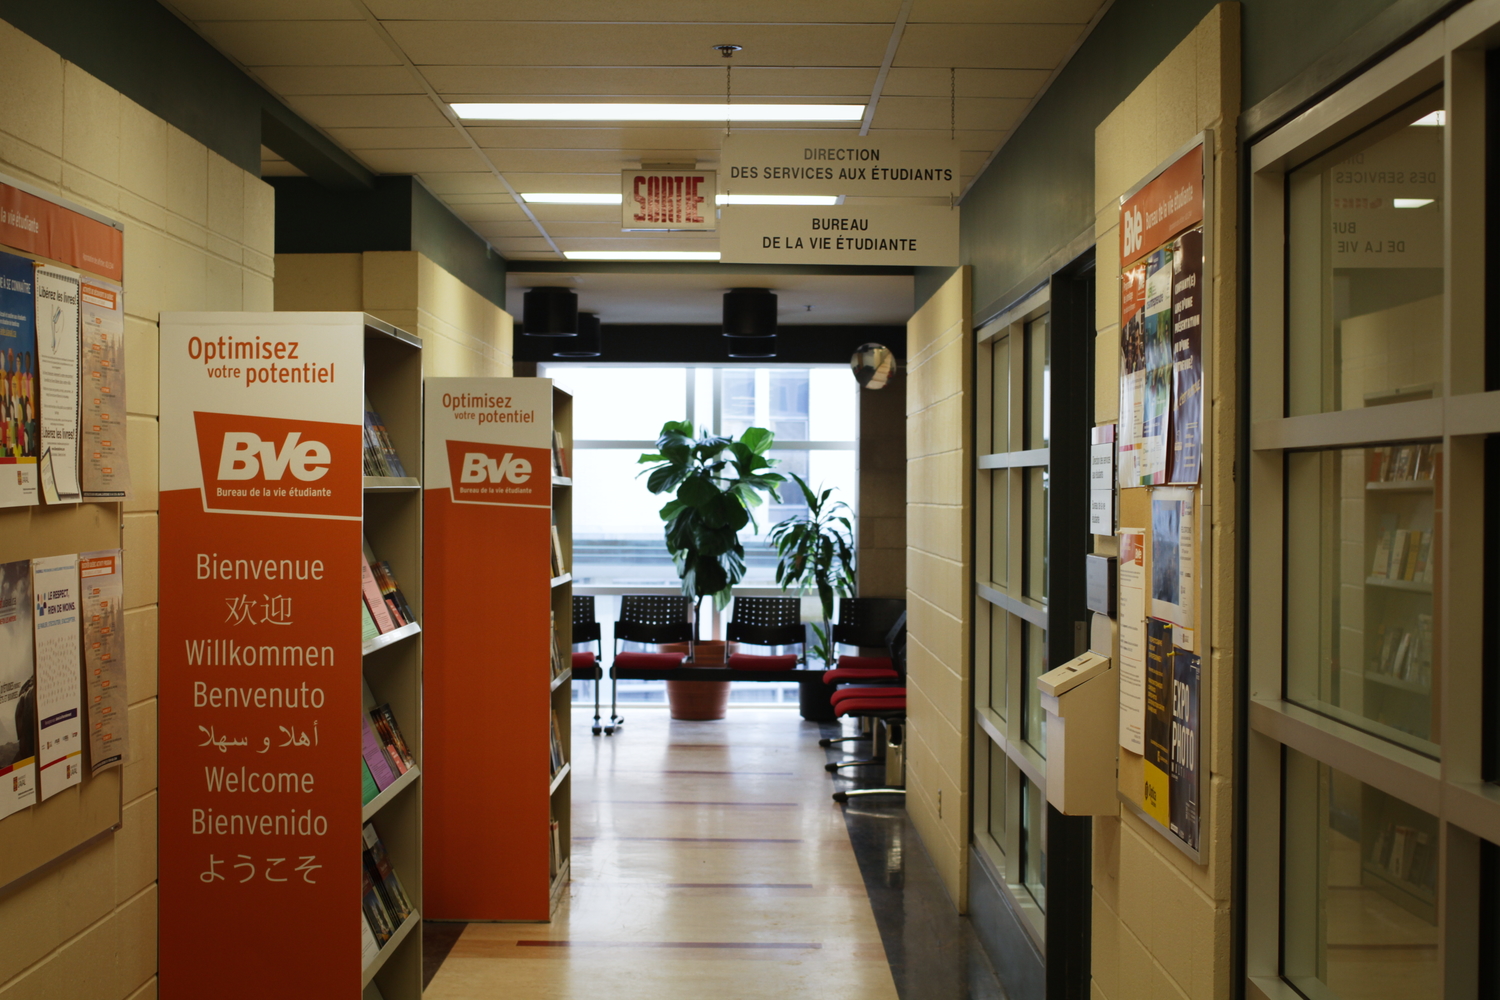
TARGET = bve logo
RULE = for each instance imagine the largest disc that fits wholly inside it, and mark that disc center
(506, 474)
(1133, 231)
(272, 465)
(245, 456)
(479, 468)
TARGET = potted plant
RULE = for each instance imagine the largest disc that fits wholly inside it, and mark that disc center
(815, 552)
(715, 482)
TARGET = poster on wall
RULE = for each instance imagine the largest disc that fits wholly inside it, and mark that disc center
(57, 341)
(1182, 793)
(1156, 332)
(1187, 358)
(1156, 796)
(20, 421)
(105, 462)
(17, 689)
(1173, 556)
(1132, 373)
(1131, 598)
(261, 522)
(102, 592)
(54, 581)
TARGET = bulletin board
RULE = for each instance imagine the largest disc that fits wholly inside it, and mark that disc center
(1164, 500)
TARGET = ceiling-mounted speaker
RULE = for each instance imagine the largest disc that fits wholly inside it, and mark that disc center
(751, 347)
(586, 344)
(749, 312)
(550, 312)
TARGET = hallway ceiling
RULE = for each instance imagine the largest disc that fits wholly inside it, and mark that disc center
(375, 76)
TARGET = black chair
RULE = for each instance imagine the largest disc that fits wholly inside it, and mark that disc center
(886, 701)
(651, 619)
(586, 664)
(766, 621)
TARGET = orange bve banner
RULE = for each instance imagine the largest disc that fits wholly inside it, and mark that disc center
(260, 656)
(1169, 203)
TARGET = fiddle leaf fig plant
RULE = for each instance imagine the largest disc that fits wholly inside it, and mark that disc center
(716, 482)
(816, 553)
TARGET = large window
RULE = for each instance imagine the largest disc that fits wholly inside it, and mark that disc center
(1366, 522)
(617, 532)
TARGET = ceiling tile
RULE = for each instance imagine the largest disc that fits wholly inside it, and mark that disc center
(637, 241)
(442, 184)
(924, 112)
(494, 82)
(587, 160)
(497, 211)
(446, 137)
(1022, 46)
(552, 214)
(644, 137)
(911, 81)
(264, 10)
(299, 43)
(506, 230)
(514, 244)
(478, 200)
(297, 80)
(985, 139)
(1004, 11)
(421, 161)
(564, 181)
(545, 254)
(661, 11)
(479, 43)
(383, 111)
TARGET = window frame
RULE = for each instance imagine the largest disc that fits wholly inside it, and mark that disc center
(1451, 55)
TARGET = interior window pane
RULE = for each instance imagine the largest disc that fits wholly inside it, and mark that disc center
(617, 533)
(1363, 546)
(1360, 889)
(998, 803)
(833, 404)
(1034, 842)
(1034, 655)
(1038, 383)
(622, 404)
(1034, 485)
(1365, 275)
(1000, 394)
(1000, 621)
(999, 526)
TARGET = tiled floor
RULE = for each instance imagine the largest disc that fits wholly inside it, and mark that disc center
(708, 860)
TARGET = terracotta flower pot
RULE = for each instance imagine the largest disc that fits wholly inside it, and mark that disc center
(699, 701)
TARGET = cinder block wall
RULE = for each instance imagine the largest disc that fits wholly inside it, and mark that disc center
(462, 332)
(198, 235)
(939, 484)
(1160, 921)
(881, 567)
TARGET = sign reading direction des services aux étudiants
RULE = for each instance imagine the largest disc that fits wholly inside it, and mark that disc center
(837, 163)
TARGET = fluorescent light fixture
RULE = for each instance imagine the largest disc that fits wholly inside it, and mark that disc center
(1411, 202)
(778, 199)
(641, 254)
(563, 198)
(1436, 118)
(662, 112)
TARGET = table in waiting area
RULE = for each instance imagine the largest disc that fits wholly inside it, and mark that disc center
(813, 695)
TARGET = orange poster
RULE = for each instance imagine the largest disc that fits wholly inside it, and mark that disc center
(487, 517)
(260, 658)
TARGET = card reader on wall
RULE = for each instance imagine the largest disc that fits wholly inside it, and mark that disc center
(1082, 701)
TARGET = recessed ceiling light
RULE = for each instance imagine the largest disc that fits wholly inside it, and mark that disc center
(589, 198)
(1436, 118)
(1411, 202)
(662, 112)
(641, 254)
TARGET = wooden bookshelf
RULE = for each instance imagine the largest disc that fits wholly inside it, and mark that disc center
(490, 790)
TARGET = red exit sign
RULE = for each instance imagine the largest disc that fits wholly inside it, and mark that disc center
(668, 199)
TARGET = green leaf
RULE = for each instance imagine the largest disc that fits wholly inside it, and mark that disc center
(757, 439)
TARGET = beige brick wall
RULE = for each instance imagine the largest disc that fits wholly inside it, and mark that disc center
(198, 235)
(881, 567)
(1160, 921)
(939, 483)
(463, 333)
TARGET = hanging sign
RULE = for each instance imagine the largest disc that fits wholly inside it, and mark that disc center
(830, 162)
(667, 199)
(899, 234)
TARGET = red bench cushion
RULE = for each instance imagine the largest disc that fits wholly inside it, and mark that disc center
(853, 675)
(754, 661)
(844, 694)
(864, 663)
(851, 706)
(583, 661)
(626, 662)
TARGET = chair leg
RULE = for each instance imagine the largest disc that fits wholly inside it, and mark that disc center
(616, 720)
(868, 762)
(598, 682)
(844, 739)
(854, 792)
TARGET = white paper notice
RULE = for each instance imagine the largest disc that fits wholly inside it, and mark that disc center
(59, 728)
(17, 689)
(1131, 595)
(57, 345)
(106, 468)
(101, 584)
(1173, 575)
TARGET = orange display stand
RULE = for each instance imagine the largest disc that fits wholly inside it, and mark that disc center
(497, 802)
(264, 508)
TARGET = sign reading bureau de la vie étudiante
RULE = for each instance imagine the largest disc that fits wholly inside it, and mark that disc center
(897, 234)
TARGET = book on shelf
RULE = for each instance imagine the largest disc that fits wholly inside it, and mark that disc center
(368, 789)
(369, 948)
(558, 565)
(386, 604)
(378, 866)
(376, 914)
(559, 455)
(555, 742)
(1405, 651)
(382, 771)
(554, 840)
(1403, 554)
(559, 663)
(1404, 463)
(391, 737)
(380, 458)
(1405, 854)
(367, 628)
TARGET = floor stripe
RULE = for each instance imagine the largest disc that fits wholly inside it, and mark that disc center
(704, 840)
(757, 945)
(766, 774)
